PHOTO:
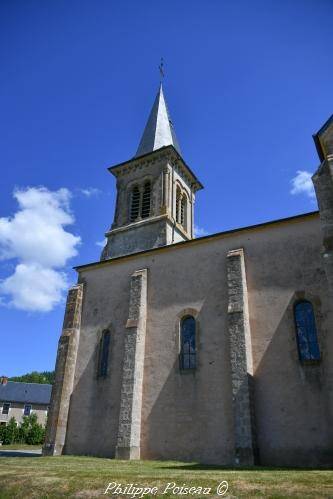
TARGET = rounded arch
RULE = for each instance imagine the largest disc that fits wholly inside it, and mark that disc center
(183, 188)
(188, 311)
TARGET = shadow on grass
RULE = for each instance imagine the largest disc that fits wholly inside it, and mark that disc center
(216, 467)
(23, 453)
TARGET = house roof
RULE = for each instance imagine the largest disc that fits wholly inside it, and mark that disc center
(33, 393)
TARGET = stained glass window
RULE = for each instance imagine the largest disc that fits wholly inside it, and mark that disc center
(187, 347)
(104, 354)
(307, 340)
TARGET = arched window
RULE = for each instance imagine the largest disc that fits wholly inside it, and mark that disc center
(145, 209)
(187, 343)
(306, 331)
(104, 348)
(178, 207)
(135, 203)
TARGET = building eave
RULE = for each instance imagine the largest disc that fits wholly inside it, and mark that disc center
(317, 138)
(200, 240)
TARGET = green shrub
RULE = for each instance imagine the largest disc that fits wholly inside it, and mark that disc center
(36, 432)
(28, 432)
(10, 432)
(24, 429)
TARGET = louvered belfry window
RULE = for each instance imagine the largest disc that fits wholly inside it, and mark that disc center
(183, 211)
(308, 347)
(145, 209)
(135, 203)
(178, 209)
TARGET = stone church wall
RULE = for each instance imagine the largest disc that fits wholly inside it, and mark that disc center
(189, 415)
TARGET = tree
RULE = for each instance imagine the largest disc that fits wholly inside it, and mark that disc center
(36, 432)
(24, 429)
(10, 432)
(35, 377)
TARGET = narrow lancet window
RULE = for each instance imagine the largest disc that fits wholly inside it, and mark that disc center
(187, 343)
(145, 210)
(135, 203)
(308, 347)
(104, 354)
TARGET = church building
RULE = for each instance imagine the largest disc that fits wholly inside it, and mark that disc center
(215, 349)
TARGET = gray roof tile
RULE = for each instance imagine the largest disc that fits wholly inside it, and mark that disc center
(33, 393)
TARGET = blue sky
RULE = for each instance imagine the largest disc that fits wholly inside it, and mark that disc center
(247, 84)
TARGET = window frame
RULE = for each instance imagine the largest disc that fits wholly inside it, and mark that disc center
(3, 407)
(24, 409)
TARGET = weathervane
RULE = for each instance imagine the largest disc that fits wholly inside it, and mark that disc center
(161, 68)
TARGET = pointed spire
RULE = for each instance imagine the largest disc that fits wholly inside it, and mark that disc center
(159, 129)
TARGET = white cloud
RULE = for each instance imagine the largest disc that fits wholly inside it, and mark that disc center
(35, 237)
(34, 288)
(302, 184)
(101, 243)
(199, 231)
(89, 192)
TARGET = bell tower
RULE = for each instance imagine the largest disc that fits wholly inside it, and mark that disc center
(155, 191)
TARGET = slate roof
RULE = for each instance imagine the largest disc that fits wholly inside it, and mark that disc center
(159, 130)
(33, 393)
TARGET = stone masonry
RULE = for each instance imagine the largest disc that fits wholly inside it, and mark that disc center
(323, 183)
(65, 370)
(240, 358)
(129, 430)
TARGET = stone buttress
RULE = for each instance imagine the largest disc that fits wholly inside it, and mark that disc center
(64, 374)
(241, 359)
(129, 429)
(323, 183)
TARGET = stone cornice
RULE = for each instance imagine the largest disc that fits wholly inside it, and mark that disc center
(148, 221)
(166, 152)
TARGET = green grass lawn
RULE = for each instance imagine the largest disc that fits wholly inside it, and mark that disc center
(88, 477)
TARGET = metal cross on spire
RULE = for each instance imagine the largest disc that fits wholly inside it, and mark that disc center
(161, 68)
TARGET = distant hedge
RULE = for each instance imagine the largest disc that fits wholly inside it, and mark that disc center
(45, 377)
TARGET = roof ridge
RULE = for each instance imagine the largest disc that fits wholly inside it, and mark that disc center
(26, 383)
